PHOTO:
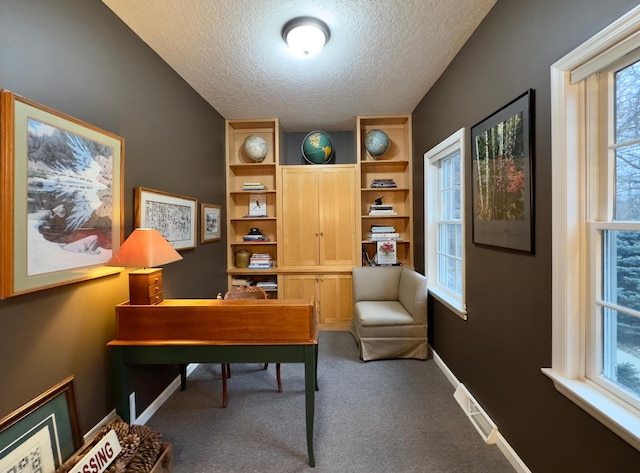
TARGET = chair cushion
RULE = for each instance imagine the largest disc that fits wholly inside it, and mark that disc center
(372, 313)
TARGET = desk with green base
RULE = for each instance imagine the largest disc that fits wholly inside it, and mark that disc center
(182, 331)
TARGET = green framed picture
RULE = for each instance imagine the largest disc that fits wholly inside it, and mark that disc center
(41, 435)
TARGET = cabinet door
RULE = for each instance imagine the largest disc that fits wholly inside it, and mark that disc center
(337, 216)
(300, 286)
(335, 299)
(300, 217)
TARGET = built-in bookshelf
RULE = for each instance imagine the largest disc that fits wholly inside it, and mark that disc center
(386, 198)
(252, 202)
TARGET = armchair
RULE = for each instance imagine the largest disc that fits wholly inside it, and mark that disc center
(389, 313)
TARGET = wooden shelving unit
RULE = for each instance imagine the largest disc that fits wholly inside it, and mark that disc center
(240, 170)
(396, 165)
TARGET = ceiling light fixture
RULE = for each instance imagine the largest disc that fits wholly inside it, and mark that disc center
(305, 35)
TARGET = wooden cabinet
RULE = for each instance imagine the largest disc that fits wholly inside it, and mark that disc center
(394, 165)
(145, 286)
(242, 176)
(331, 292)
(318, 216)
(319, 244)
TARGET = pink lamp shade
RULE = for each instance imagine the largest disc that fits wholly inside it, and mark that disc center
(144, 248)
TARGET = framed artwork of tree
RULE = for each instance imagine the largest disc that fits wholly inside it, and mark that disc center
(501, 170)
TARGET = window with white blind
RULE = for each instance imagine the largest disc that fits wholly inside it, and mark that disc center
(444, 217)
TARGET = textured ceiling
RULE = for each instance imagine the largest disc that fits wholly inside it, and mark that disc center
(382, 58)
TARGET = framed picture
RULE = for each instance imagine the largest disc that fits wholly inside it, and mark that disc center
(60, 197)
(42, 434)
(257, 205)
(502, 166)
(210, 223)
(174, 216)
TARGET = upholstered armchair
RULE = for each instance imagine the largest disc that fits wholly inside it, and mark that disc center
(389, 313)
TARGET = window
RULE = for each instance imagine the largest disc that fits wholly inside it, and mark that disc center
(444, 214)
(596, 226)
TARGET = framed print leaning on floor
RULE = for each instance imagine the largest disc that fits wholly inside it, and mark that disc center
(60, 197)
(41, 435)
(501, 170)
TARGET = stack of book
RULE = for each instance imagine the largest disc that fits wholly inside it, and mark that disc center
(255, 238)
(268, 286)
(383, 183)
(237, 282)
(381, 209)
(260, 261)
(253, 186)
(383, 233)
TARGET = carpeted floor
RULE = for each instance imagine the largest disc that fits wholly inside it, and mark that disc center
(375, 417)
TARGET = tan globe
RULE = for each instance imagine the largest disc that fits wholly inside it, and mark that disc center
(255, 148)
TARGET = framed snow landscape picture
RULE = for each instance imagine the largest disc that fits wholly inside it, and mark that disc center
(60, 197)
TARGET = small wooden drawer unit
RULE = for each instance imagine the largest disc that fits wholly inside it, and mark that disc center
(145, 286)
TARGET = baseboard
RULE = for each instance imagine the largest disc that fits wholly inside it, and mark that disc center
(497, 438)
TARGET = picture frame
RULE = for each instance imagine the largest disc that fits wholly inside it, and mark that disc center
(60, 197)
(502, 170)
(210, 223)
(173, 215)
(43, 433)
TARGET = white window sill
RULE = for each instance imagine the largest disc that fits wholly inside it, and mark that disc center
(614, 414)
(454, 304)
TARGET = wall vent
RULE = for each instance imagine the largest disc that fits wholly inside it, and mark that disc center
(478, 417)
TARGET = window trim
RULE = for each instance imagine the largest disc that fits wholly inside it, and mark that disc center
(569, 142)
(455, 142)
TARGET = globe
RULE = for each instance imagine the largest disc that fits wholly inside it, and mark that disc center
(255, 148)
(377, 143)
(317, 147)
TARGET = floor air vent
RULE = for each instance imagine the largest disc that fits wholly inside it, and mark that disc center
(479, 418)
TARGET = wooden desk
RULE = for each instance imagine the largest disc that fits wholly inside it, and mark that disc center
(181, 331)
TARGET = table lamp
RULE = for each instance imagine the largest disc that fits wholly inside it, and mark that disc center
(145, 248)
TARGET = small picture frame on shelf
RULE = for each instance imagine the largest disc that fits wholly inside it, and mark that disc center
(387, 252)
(257, 205)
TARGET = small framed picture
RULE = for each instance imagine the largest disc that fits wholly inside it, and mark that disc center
(210, 223)
(387, 252)
(257, 205)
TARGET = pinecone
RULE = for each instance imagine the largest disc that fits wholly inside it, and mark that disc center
(148, 451)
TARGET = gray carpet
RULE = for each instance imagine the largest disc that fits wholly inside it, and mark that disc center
(379, 416)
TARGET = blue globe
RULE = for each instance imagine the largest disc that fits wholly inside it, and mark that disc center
(377, 143)
(317, 148)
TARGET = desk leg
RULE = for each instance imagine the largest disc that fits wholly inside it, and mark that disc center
(310, 384)
(183, 377)
(121, 383)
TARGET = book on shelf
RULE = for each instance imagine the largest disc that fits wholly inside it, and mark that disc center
(235, 282)
(382, 212)
(261, 261)
(378, 236)
(380, 207)
(382, 229)
(253, 186)
(268, 285)
(383, 183)
(255, 238)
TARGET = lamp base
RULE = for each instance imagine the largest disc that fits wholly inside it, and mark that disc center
(145, 286)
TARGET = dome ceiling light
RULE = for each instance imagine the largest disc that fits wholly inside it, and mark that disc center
(305, 35)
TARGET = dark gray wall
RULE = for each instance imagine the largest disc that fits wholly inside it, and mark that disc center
(499, 351)
(75, 56)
